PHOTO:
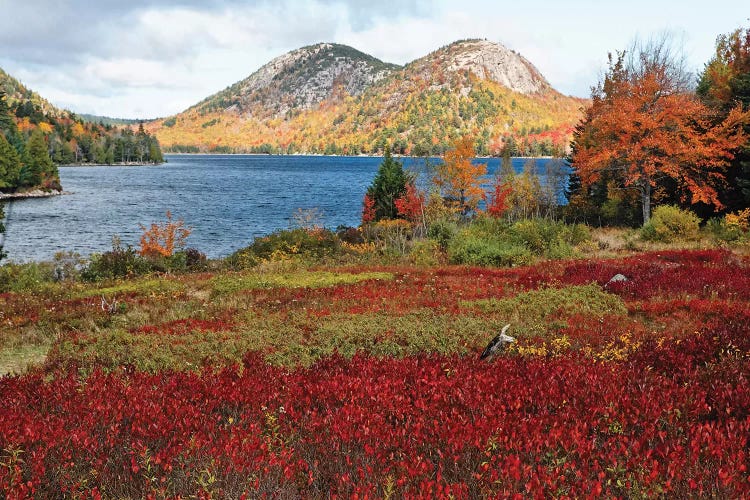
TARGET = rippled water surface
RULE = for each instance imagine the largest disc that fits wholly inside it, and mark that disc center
(226, 199)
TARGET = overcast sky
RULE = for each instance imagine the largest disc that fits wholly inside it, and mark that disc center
(143, 59)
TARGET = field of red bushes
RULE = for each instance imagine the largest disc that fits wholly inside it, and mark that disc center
(373, 387)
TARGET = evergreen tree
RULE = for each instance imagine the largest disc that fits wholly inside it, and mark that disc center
(9, 129)
(10, 165)
(154, 151)
(40, 166)
(389, 185)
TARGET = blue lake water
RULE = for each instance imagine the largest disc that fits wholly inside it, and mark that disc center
(227, 200)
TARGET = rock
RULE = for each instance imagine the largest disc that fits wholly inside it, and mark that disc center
(496, 62)
(617, 278)
(37, 193)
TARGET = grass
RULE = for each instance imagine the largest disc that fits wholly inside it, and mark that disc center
(16, 360)
(238, 282)
(538, 312)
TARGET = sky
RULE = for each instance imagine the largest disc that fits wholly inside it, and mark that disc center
(148, 59)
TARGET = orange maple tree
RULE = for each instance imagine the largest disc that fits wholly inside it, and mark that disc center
(161, 240)
(645, 126)
(460, 180)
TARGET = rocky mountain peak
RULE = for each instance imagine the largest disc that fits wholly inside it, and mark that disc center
(491, 61)
(301, 79)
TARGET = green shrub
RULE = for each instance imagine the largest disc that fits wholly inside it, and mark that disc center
(548, 238)
(25, 277)
(68, 266)
(442, 231)
(670, 223)
(470, 249)
(425, 253)
(284, 244)
(120, 262)
(728, 233)
(538, 312)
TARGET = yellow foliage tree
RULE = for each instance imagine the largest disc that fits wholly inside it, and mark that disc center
(161, 240)
(460, 180)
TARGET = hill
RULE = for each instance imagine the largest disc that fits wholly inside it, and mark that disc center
(331, 98)
(69, 138)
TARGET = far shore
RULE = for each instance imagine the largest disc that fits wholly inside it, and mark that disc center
(125, 164)
(348, 156)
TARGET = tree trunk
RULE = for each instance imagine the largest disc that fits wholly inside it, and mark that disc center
(646, 200)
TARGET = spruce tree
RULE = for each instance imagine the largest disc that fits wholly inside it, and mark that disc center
(389, 185)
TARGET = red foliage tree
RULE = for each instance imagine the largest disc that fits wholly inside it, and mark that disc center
(497, 203)
(411, 204)
(368, 209)
(646, 125)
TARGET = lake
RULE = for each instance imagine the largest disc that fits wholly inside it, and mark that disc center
(227, 200)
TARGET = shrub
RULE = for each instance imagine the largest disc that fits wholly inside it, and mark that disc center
(442, 231)
(669, 223)
(471, 249)
(25, 277)
(732, 227)
(285, 244)
(720, 232)
(161, 240)
(425, 253)
(120, 262)
(195, 260)
(68, 266)
(539, 311)
(350, 235)
(549, 238)
(391, 235)
(739, 221)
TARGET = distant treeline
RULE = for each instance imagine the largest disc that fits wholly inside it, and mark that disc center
(543, 147)
(71, 140)
(106, 120)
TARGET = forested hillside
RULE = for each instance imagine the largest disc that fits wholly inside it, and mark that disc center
(334, 99)
(41, 135)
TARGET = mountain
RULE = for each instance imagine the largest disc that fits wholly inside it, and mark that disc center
(68, 137)
(330, 98)
(299, 80)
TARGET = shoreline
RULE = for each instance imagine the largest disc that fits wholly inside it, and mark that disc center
(128, 164)
(349, 156)
(37, 193)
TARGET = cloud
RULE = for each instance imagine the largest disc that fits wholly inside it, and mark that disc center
(157, 57)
